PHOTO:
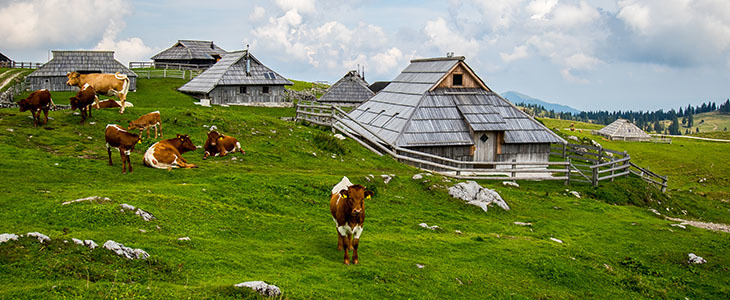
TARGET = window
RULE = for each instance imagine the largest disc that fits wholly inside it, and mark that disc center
(269, 75)
(242, 90)
(458, 79)
(265, 90)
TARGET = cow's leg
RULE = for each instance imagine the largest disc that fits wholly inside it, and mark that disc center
(121, 153)
(349, 241)
(182, 163)
(148, 132)
(109, 151)
(340, 241)
(205, 155)
(83, 115)
(36, 116)
(156, 125)
(88, 110)
(129, 162)
(355, 243)
(46, 113)
(123, 99)
(346, 246)
(96, 101)
(221, 149)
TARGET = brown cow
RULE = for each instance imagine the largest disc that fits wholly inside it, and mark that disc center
(36, 102)
(105, 84)
(145, 122)
(110, 103)
(83, 100)
(348, 211)
(167, 154)
(117, 137)
(218, 144)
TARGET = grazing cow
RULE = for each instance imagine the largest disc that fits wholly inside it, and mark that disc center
(83, 100)
(145, 122)
(105, 84)
(36, 102)
(109, 103)
(348, 210)
(218, 144)
(117, 137)
(167, 154)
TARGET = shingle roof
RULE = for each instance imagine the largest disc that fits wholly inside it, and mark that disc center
(410, 112)
(231, 70)
(622, 128)
(378, 86)
(349, 89)
(70, 61)
(188, 49)
(4, 58)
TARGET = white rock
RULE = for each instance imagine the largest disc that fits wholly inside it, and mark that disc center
(127, 206)
(523, 224)
(510, 183)
(92, 123)
(91, 244)
(183, 238)
(263, 288)
(655, 212)
(41, 237)
(143, 231)
(472, 193)
(386, 178)
(8, 237)
(127, 252)
(417, 177)
(314, 154)
(596, 144)
(138, 211)
(77, 241)
(420, 266)
(340, 137)
(678, 225)
(458, 232)
(556, 240)
(424, 225)
(88, 137)
(575, 194)
(573, 138)
(91, 199)
(234, 158)
(10, 129)
(694, 259)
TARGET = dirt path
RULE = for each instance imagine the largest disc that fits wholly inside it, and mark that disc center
(6, 72)
(9, 79)
(691, 137)
(705, 225)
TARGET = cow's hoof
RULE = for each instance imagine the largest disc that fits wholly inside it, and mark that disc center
(356, 261)
(204, 158)
(340, 248)
(347, 262)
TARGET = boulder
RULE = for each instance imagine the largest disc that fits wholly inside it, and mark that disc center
(263, 288)
(694, 259)
(8, 237)
(472, 193)
(88, 243)
(138, 211)
(124, 251)
(41, 237)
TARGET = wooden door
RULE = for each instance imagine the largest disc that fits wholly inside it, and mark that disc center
(485, 146)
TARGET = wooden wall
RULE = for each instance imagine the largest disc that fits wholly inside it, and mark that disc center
(232, 94)
(468, 81)
(524, 153)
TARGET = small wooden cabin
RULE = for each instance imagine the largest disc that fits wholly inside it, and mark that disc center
(201, 54)
(4, 58)
(350, 90)
(440, 106)
(623, 130)
(238, 78)
(52, 75)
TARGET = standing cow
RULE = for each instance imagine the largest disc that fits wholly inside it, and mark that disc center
(218, 144)
(348, 211)
(117, 137)
(83, 100)
(167, 154)
(36, 102)
(145, 122)
(105, 84)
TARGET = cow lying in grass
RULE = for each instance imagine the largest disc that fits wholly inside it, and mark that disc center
(348, 211)
(83, 100)
(117, 137)
(145, 122)
(109, 103)
(219, 145)
(36, 102)
(167, 154)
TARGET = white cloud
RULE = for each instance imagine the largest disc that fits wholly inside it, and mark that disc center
(258, 14)
(635, 15)
(132, 49)
(447, 40)
(518, 53)
(569, 15)
(578, 62)
(388, 60)
(51, 23)
(500, 14)
(303, 6)
(540, 8)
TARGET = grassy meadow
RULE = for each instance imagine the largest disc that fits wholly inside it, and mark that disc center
(264, 216)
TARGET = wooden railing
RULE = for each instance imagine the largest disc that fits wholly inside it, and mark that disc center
(163, 65)
(167, 73)
(649, 176)
(19, 65)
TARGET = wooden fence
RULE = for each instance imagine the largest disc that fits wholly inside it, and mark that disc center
(161, 65)
(19, 65)
(7, 98)
(649, 176)
(167, 73)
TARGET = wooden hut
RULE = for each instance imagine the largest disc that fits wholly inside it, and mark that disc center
(350, 90)
(440, 106)
(624, 130)
(4, 58)
(52, 75)
(199, 54)
(238, 78)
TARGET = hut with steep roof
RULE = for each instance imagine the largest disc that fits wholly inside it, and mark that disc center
(201, 54)
(52, 75)
(623, 130)
(350, 90)
(238, 78)
(4, 58)
(440, 106)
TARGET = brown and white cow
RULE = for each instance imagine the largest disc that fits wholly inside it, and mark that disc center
(219, 145)
(124, 141)
(83, 100)
(167, 154)
(348, 211)
(145, 122)
(105, 84)
(110, 103)
(36, 102)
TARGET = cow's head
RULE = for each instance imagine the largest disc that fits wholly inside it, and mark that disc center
(24, 104)
(185, 143)
(133, 126)
(355, 196)
(74, 101)
(213, 137)
(74, 78)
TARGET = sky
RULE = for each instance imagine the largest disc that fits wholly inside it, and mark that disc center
(591, 55)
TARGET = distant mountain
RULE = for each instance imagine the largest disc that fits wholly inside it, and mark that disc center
(516, 98)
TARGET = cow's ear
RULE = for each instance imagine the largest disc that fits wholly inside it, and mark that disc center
(344, 193)
(368, 194)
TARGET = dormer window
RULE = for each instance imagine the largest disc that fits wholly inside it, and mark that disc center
(457, 79)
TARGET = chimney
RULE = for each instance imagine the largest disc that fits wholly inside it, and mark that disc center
(211, 45)
(248, 63)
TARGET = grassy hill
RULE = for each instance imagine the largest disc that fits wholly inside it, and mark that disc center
(710, 122)
(6, 73)
(264, 216)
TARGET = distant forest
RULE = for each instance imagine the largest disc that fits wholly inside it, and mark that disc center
(646, 120)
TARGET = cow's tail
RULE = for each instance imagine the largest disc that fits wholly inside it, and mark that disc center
(53, 104)
(124, 91)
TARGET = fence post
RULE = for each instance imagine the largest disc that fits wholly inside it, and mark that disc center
(164, 73)
(664, 184)
(565, 146)
(567, 173)
(514, 167)
(595, 177)
(332, 120)
(296, 112)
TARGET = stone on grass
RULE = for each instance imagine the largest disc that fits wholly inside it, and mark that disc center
(263, 288)
(185, 238)
(474, 194)
(8, 237)
(420, 266)
(434, 227)
(678, 225)
(510, 183)
(523, 223)
(88, 243)
(138, 211)
(694, 259)
(556, 240)
(339, 136)
(573, 138)
(387, 178)
(90, 199)
(574, 193)
(41, 237)
(417, 177)
(125, 251)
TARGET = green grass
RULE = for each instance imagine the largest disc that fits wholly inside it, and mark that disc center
(6, 73)
(265, 216)
(710, 122)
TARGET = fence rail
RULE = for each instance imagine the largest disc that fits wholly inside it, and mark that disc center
(581, 163)
(167, 73)
(162, 65)
(20, 65)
